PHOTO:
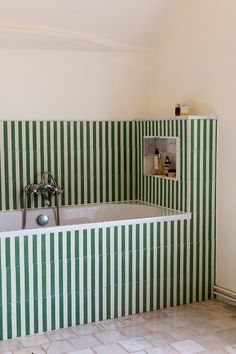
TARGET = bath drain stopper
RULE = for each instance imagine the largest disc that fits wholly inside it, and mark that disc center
(42, 220)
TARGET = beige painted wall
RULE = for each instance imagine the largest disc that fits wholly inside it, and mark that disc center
(196, 62)
(74, 85)
(134, 22)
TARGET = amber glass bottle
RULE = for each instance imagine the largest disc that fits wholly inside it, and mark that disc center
(177, 110)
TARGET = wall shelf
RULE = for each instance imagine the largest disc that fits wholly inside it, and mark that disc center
(167, 146)
(161, 176)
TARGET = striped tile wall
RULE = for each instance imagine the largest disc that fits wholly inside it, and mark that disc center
(202, 198)
(54, 280)
(194, 192)
(58, 279)
(92, 161)
(161, 191)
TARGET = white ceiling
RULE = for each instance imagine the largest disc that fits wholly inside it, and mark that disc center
(83, 24)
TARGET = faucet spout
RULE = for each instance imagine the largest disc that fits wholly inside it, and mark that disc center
(49, 174)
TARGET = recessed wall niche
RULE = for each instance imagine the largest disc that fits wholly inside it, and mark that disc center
(167, 147)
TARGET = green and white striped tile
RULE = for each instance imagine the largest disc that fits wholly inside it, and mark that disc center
(92, 161)
(202, 189)
(167, 193)
(194, 192)
(59, 279)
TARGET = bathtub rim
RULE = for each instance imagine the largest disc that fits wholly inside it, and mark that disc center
(180, 215)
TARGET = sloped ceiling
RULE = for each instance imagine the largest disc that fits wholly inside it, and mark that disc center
(83, 24)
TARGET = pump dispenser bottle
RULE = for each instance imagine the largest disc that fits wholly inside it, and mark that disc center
(157, 163)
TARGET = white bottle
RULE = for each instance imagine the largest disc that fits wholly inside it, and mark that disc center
(157, 164)
(184, 110)
(156, 160)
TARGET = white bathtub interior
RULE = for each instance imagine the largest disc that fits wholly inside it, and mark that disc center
(97, 213)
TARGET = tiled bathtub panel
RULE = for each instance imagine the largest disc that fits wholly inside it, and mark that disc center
(54, 280)
(93, 161)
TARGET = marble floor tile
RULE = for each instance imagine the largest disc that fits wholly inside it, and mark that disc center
(83, 351)
(215, 314)
(30, 350)
(111, 336)
(10, 345)
(188, 347)
(182, 333)
(219, 307)
(211, 341)
(214, 303)
(34, 340)
(59, 347)
(109, 324)
(178, 321)
(207, 327)
(162, 349)
(60, 334)
(217, 351)
(229, 336)
(203, 327)
(132, 320)
(230, 308)
(157, 326)
(225, 322)
(154, 315)
(85, 329)
(231, 349)
(159, 338)
(135, 344)
(134, 331)
(83, 342)
(113, 348)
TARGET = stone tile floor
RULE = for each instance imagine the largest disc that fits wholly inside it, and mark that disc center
(207, 327)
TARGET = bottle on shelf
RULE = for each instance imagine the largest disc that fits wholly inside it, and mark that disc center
(177, 109)
(167, 165)
(158, 168)
(172, 173)
(184, 110)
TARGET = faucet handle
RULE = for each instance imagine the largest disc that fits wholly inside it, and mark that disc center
(32, 189)
(59, 190)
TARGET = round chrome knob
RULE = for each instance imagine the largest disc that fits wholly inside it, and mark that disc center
(42, 220)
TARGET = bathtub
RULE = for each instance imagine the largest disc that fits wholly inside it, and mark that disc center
(103, 262)
(108, 213)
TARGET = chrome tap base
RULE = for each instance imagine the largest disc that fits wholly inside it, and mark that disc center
(47, 190)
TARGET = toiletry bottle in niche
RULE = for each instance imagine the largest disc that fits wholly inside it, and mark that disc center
(177, 109)
(157, 163)
(184, 109)
(167, 165)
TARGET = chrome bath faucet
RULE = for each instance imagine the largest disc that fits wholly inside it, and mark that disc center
(46, 189)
